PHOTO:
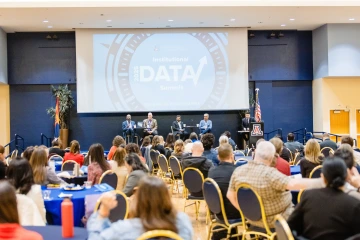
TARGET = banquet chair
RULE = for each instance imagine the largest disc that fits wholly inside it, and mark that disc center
(241, 161)
(252, 208)
(250, 152)
(215, 202)
(193, 181)
(14, 154)
(162, 234)
(56, 158)
(239, 153)
(315, 173)
(300, 194)
(282, 228)
(110, 178)
(176, 172)
(154, 155)
(327, 151)
(121, 211)
(68, 165)
(165, 172)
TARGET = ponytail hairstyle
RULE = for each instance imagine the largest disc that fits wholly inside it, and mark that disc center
(335, 172)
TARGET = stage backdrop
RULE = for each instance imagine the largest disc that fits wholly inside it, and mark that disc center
(138, 70)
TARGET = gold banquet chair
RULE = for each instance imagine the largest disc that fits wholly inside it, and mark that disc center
(316, 172)
(176, 172)
(68, 165)
(121, 211)
(327, 151)
(110, 178)
(156, 234)
(282, 228)
(154, 156)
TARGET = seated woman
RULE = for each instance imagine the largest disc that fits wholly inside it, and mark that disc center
(98, 163)
(42, 173)
(156, 144)
(170, 140)
(118, 166)
(136, 170)
(312, 159)
(193, 137)
(20, 175)
(28, 152)
(117, 141)
(281, 164)
(328, 213)
(9, 218)
(56, 148)
(74, 153)
(134, 148)
(145, 150)
(179, 152)
(162, 215)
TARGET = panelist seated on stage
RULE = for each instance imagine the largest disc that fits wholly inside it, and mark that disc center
(178, 128)
(150, 125)
(246, 122)
(205, 125)
(128, 127)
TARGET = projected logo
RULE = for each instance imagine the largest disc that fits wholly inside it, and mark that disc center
(178, 71)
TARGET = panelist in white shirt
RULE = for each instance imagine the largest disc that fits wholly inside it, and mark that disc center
(179, 128)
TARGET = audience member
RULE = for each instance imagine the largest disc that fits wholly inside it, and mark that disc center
(349, 140)
(193, 137)
(179, 150)
(20, 175)
(282, 165)
(205, 125)
(208, 140)
(327, 213)
(116, 143)
(152, 195)
(268, 182)
(10, 227)
(27, 153)
(42, 173)
(134, 148)
(199, 161)
(293, 146)
(2, 162)
(231, 141)
(179, 128)
(221, 175)
(150, 126)
(145, 151)
(136, 170)
(118, 166)
(156, 145)
(188, 146)
(223, 140)
(312, 159)
(170, 140)
(74, 153)
(327, 142)
(98, 163)
(87, 158)
(128, 128)
(55, 149)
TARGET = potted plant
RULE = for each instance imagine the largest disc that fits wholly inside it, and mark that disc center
(66, 101)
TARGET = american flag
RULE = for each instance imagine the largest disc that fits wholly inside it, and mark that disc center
(257, 111)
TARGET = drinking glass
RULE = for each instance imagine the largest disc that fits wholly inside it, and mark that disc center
(46, 194)
(88, 184)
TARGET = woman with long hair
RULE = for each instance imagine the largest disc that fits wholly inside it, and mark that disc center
(56, 148)
(10, 227)
(117, 142)
(28, 152)
(42, 172)
(223, 140)
(134, 148)
(327, 213)
(20, 175)
(156, 144)
(170, 141)
(179, 150)
(98, 163)
(312, 159)
(118, 166)
(74, 153)
(281, 164)
(152, 195)
(136, 170)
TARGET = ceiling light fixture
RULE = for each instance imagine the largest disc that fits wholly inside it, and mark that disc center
(170, 20)
(50, 26)
(272, 35)
(109, 20)
(282, 25)
(233, 19)
(351, 19)
(45, 21)
(141, 23)
(292, 19)
(226, 25)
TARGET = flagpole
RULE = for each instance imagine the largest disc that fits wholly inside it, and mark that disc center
(256, 101)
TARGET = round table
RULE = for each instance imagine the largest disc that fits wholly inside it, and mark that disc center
(55, 232)
(53, 206)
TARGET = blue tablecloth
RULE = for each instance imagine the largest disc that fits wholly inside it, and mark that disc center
(295, 169)
(53, 206)
(55, 232)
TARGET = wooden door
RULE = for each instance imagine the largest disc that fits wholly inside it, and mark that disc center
(339, 123)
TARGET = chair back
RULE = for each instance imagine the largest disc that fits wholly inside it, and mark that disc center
(251, 205)
(68, 165)
(193, 179)
(299, 195)
(110, 178)
(154, 234)
(327, 151)
(250, 152)
(213, 198)
(240, 162)
(56, 158)
(154, 155)
(316, 172)
(239, 153)
(121, 211)
(285, 149)
(175, 166)
(163, 163)
(283, 231)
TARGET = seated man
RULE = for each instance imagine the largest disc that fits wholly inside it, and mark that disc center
(128, 128)
(178, 128)
(205, 125)
(292, 145)
(221, 175)
(150, 126)
(269, 183)
(208, 141)
(327, 142)
(231, 141)
(197, 160)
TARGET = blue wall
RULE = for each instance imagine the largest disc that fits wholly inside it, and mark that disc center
(35, 63)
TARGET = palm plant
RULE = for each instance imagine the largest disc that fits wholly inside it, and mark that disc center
(66, 101)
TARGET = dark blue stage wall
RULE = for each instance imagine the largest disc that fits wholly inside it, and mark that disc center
(275, 66)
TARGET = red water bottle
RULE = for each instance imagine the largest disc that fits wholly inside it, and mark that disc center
(67, 218)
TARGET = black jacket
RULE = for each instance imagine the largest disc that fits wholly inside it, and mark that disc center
(246, 124)
(328, 143)
(176, 128)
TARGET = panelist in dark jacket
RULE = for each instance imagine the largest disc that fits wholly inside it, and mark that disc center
(128, 127)
(178, 128)
(246, 125)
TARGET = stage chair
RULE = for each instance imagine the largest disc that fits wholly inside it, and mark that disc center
(121, 211)
(282, 228)
(327, 151)
(315, 173)
(159, 234)
(252, 208)
(177, 135)
(110, 178)
(68, 165)
(154, 155)
(214, 200)
(176, 172)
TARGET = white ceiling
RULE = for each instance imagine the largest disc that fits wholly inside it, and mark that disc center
(21, 16)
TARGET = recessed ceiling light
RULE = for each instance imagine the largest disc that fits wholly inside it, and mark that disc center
(45, 21)
(260, 22)
(170, 20)
(292, 19)
(233, 19)
(201, 22)
(283, 25)
(109, 20)
(81, 23)
(167, 26)
(141, 23)
(351, 19)
(49, 26)
(226, 25)
(109, 26)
